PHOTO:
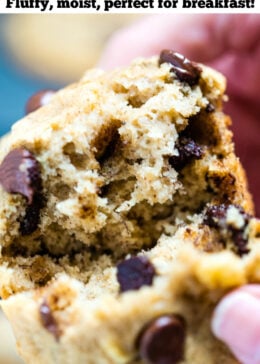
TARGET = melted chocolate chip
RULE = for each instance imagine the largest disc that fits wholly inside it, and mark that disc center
(20, 174)
(216, 217)
(48, 321)
(240, 242)
(38, 100)
(30, 221)
(162, 341)
(210, 108)
(188, 151)
(135, 272)
(184, 69)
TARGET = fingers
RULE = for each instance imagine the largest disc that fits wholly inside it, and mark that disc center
(242, 69)
(228, 42)
(236, 321)
(202, 37)
(154, 33)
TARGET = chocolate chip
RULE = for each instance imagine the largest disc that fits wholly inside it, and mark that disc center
(38, 100)
(20, 174)
(135, 272)
(48, 321)
(188, 151)
(240, 242)
(210, 108)
(30, 221)
(162, 341)
(184, 69)
(216, 217)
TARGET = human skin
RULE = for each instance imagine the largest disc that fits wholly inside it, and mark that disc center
(236, 321)
(228, 42)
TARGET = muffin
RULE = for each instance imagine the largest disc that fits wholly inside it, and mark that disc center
(124, 218)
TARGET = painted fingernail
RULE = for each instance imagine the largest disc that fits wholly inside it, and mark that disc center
(236, 321)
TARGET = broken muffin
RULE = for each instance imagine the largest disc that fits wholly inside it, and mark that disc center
(124, 218)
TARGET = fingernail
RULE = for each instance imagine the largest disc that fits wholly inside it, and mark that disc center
(236, 321)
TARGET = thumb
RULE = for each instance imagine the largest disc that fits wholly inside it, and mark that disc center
(236, 321)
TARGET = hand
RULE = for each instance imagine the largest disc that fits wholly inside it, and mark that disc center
(236, 321)
(229, 43)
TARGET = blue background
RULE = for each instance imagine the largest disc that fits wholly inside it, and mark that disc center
(16, 86)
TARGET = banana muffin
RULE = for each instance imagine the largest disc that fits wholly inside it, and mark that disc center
(124, 218)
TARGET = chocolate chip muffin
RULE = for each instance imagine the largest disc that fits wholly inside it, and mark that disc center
(125, 217)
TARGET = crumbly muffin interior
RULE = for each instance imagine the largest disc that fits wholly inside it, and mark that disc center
(125, 158)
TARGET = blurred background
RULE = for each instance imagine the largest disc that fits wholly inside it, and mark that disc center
(39, 52)
(47, 51)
